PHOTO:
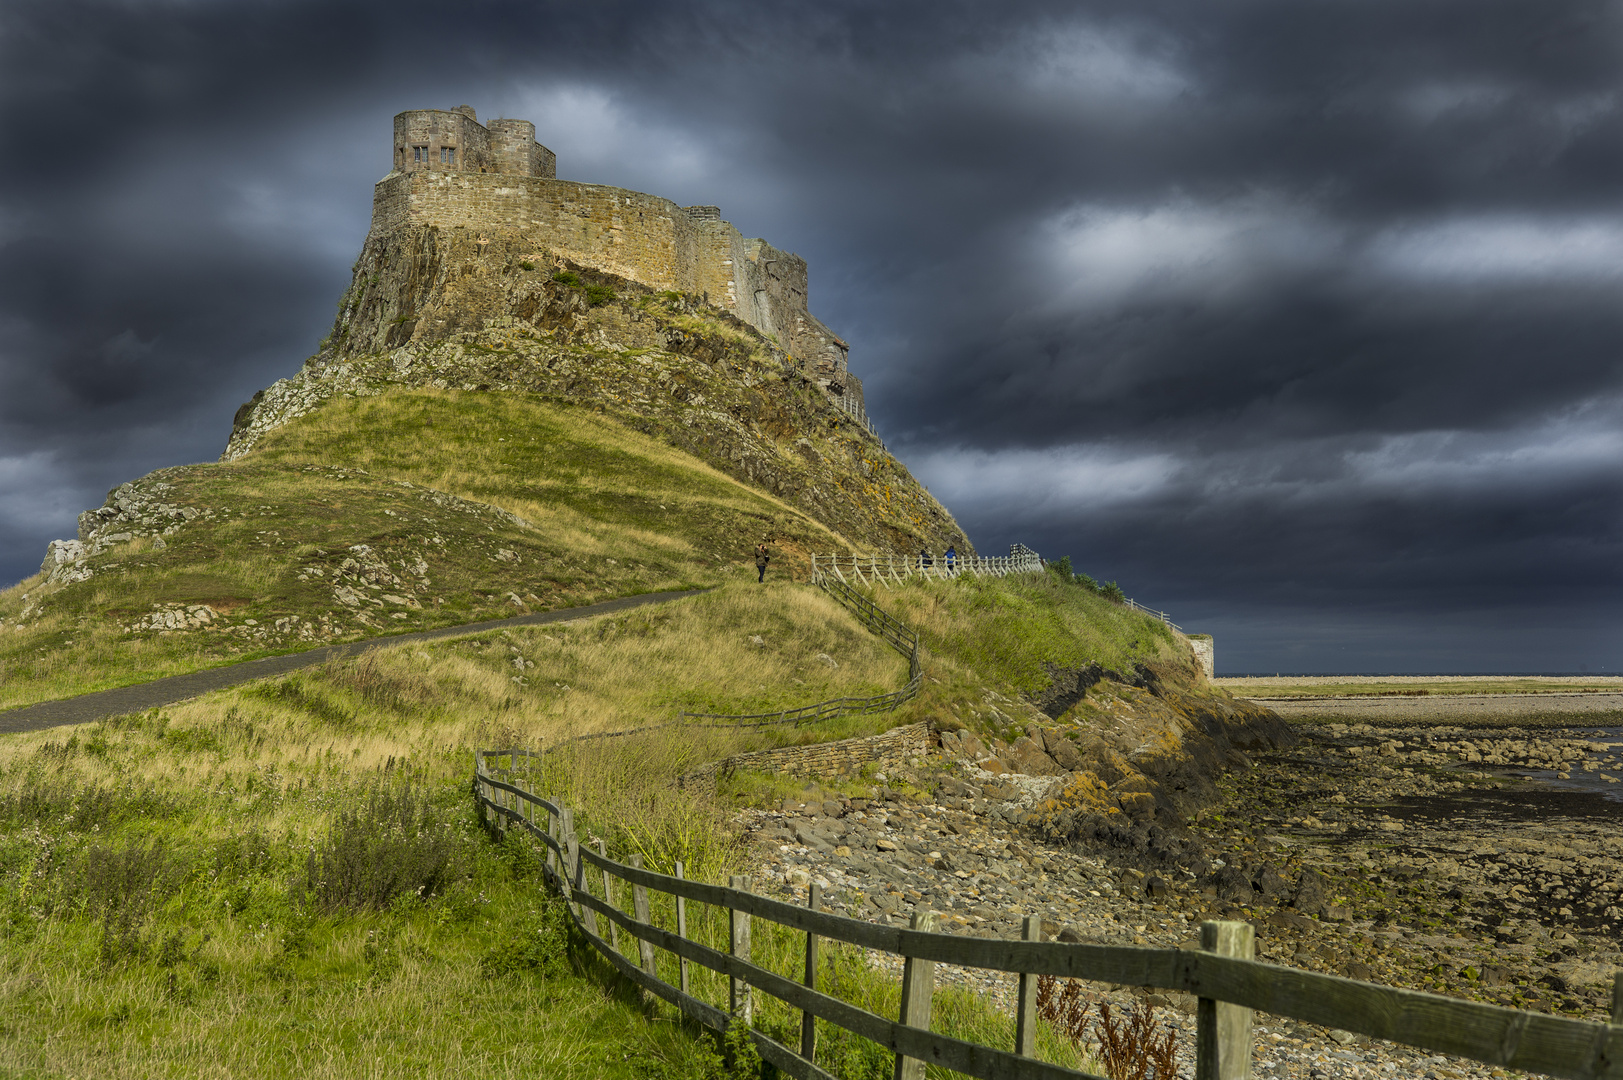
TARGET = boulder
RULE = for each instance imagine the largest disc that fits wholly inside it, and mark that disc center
(1234, 885)
(1269, 883)
(1028, 756)
(62, 553)
(1311, 895)
(1063, 751)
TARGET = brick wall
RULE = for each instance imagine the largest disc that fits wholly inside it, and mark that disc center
(888, 750)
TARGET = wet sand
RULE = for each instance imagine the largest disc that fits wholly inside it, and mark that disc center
(1400, 700)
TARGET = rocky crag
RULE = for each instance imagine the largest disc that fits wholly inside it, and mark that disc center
(484, 271)
(451, 308)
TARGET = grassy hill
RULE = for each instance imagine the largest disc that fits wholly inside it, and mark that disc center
(408, 510)
(287, 877)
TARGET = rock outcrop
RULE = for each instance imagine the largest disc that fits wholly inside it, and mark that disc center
(455, 309)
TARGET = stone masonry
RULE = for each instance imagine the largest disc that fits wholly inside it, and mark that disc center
(451, 171)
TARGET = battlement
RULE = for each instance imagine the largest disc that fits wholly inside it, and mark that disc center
(451, 171)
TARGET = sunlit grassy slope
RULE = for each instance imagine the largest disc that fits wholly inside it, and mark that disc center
(403, 511)
(287, 877)
(1007, 630)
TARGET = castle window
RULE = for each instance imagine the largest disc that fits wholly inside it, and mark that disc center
(419, 154)
(447, 155)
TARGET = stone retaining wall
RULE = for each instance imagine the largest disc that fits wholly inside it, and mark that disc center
(888, 750)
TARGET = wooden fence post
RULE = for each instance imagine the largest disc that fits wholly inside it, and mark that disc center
(639, 908)
(1025, 1014)
(681, 932)
(608, 896)
(554, 830)
(1223, 1031)
(1617, 998)
(918, 986)
(738, 923)
(808, 1022)
(577, 872)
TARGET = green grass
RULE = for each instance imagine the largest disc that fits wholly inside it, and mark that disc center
(1006, 629)
(604, 511)
(230, 886)
(149, 928)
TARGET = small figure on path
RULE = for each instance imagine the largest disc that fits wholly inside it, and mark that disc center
(951, 555)
(762, 557)
(924, 558)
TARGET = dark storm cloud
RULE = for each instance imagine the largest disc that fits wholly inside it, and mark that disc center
(1290, 317)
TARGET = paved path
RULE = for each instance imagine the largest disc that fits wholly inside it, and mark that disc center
(128, 699)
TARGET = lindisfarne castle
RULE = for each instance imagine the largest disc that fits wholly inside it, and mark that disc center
(452, 171)
(482, 272)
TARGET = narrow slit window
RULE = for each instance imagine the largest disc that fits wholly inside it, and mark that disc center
(447, 155)
(419, 154)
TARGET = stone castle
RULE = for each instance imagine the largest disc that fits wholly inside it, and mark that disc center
(450, 170)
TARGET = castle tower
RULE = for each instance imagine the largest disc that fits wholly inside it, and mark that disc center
(453, 140)
(512, 143)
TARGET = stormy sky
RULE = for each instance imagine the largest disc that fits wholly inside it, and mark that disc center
(1302, 321)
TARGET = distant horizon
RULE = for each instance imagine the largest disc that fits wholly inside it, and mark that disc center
(1420, 674)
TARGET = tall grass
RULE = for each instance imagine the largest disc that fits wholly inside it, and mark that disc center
(1008, 629)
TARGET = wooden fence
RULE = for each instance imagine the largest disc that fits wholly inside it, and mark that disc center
(1221, 974)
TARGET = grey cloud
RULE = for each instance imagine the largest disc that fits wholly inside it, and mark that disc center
(1285, 315)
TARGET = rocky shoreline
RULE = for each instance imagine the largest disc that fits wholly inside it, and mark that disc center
(1415, 857)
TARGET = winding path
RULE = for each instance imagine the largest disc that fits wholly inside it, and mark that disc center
(150, 695)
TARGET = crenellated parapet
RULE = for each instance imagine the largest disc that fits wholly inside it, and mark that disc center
(451, 171)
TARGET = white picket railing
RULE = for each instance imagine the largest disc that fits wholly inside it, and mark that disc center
(892, 569)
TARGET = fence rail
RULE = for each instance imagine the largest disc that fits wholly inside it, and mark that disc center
(888, 570)
(1222, 975)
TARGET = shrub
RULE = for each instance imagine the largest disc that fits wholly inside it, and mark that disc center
(598, 295)
(567, 277)
(526, 266)
(1112, 592)
(394, 845)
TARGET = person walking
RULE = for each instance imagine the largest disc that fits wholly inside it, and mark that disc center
(951, 556)
(925, 562)
(762, 557)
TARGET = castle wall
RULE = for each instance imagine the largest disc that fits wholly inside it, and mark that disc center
(641, 237)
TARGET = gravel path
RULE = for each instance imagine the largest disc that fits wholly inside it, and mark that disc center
(87, 708)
